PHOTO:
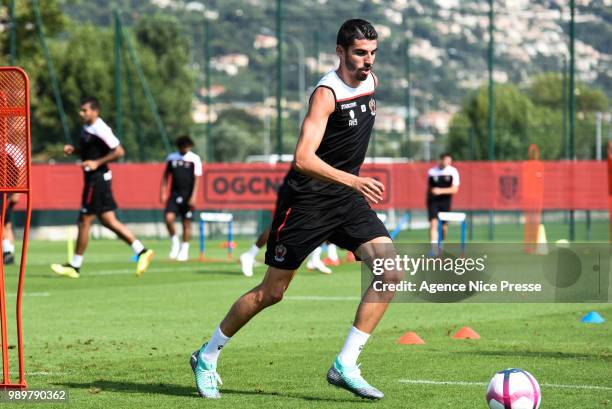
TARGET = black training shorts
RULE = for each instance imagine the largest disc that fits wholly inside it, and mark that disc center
(436, 206)
(297, 229)
(179, 204)
(97, 195)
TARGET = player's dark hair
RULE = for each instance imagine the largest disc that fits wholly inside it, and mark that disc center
(184, 141)
(93, 103)
(355, 29)
(445, 154)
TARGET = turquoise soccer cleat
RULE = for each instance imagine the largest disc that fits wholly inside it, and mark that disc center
(349, 378)
(206, 377)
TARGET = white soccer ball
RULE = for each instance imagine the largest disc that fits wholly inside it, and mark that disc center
(513, 389)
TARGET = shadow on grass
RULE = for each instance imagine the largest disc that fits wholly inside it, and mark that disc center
(188, 391)
(539, 354)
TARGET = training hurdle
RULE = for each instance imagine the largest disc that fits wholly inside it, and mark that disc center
(457, 217)
(216, 218)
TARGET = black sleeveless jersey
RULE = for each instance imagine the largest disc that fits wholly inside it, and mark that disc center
(97, 140)
(184, 169)
(344, 144)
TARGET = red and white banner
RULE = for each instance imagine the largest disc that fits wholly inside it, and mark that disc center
(484, 185)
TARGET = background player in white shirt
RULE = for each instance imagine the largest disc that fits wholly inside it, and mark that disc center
(442, 184)
(98, 147)
(184, 168)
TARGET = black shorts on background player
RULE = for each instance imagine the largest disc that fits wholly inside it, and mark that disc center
(436, 206)
(178, 204)
(97, 195)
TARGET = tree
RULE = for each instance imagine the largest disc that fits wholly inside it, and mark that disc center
(27, 38)
(523, 118)
(547, 90)
(512, 109)
(83, 59)
(164, 53)
(235, 136)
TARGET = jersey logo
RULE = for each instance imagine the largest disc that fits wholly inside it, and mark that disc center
(372, 105)
(353, 120)
(363, 108)
(349, 105)
(280, 252)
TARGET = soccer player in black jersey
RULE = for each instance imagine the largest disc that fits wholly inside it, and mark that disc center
(184, 168)
(322, 198)
(98, 147)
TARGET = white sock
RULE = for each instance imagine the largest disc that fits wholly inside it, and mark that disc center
(315, 256)
(332, 252)
(7, 246)
(355, 341)
(184, 246)
(253, 250)
(213, 349)
(175, 240)
(77, 261)
(137, 246)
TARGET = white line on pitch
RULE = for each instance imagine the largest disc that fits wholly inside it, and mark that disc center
(319, 298)
(459, 383)
(40, 373)
(30, 294)
(150, 270)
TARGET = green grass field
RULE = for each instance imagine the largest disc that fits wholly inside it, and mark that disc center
(114, 340)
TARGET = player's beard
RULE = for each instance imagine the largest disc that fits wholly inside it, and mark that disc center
(361, 76)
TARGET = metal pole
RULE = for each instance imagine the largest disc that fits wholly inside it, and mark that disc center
(147, 91)
(598, 117)
(118, 121)
(565, 109)
(471, 212)
(52, 76)
(317, 41)
(279, 78)
(13, 34)
(407, 96)
(572, 106)
(207, 84)
(589, 230)
(301, 75)
(266, 94)
(490, 122)
(135, 115)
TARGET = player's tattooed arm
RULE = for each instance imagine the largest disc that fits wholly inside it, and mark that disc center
(114, 154)
(322, 105)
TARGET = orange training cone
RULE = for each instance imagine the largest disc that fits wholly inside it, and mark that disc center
(410, 338)
(466, 333)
